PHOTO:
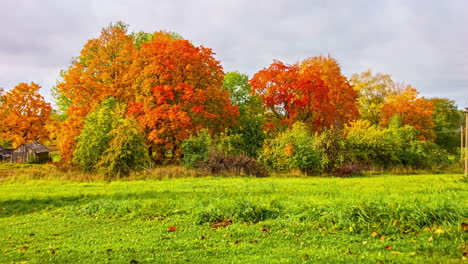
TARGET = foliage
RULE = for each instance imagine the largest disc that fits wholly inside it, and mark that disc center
(126, 151)
(101, 71)
(95, 136)
(251, 119)
(373, 91)
(313, 92)
(447, 122)
(292, 149)
(331, 148)
(370, 144)
(24, 115)
(413, 111)
(391, 147)
(178, 93)
(196, 149)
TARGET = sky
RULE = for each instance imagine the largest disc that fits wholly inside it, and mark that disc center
(422, 43)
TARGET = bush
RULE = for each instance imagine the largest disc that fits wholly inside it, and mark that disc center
(332, 149)
(196, 149)
(293, 149)
(219, 163)
(126, 152)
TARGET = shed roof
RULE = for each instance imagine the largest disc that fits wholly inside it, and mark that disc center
(36, 147)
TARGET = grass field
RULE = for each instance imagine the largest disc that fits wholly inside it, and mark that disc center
(378, 219)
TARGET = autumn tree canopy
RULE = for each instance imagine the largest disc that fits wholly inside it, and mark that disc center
(413, 110)
(313, 91)
(101, 71)
(373, 90)
(24, 114)
(178, 91)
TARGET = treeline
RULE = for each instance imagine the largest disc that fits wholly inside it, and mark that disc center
(131, 101)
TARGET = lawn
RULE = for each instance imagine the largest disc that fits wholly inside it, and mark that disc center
(373, 219)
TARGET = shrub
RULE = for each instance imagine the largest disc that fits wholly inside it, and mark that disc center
(332, 149)
(293, 149)
(126, 152)
(219, 163)
(196, 149)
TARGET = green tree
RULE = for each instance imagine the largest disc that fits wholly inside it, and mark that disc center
(196, 149)
(126, 150)
(251, 119)
(94, 138)
(447, 122)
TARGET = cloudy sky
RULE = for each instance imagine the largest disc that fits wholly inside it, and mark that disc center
(422, 43)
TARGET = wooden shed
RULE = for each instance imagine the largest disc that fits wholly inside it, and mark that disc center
(5, 154)
(27, 152)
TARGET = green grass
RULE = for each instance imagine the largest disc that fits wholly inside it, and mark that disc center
(416, 219)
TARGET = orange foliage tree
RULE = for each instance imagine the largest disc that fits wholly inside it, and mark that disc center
(99, 72)
(24, 114)
(178, 91)
(413, 111)
(313, 91)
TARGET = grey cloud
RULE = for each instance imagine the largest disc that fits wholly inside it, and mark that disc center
(419, 42)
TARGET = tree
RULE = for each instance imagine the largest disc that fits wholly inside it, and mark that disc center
(101, 71)
(95, 136)
(126, 150)
(251, 119)
(413, 111)
(373, 91)
(313, 91)
(447, 121)
(24, 115)
(178, 91)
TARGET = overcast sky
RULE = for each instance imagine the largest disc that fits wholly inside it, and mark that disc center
(422, 43)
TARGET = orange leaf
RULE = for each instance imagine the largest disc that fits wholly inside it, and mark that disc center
(388, 247)
(172, 229)
(374, 234)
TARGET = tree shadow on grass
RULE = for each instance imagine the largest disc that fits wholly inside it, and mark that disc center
(20, 207)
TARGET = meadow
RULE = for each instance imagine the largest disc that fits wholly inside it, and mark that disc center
(368, 219)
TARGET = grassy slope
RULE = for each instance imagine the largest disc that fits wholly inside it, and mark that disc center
(416, 219)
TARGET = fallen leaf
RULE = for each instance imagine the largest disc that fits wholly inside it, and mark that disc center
(439, 231)
(320, 230)
(222, 223)
(266, 230)
(382, 238)
(395, 252)
(374, 234)
(395, 222)
(464, 227)
(364, 242)
(430, 239)
(285, 230)
(172, 229)
(24, 248)
(388, 247)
